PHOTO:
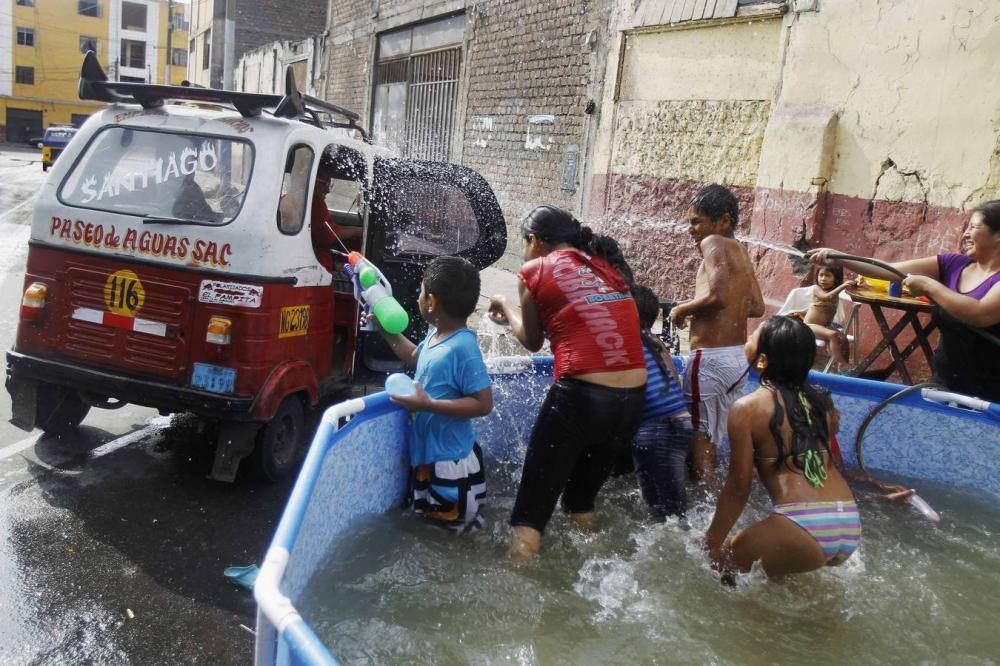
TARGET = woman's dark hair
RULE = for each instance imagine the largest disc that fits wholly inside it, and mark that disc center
(555, 226)
(838, 274)
(790, 347)
(991, 214)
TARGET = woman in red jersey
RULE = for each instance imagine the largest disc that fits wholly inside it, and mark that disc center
(574, 290)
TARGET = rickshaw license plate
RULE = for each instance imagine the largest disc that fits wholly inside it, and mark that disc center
(213, 378)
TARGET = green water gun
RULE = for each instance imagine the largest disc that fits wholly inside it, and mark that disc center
(374, 292)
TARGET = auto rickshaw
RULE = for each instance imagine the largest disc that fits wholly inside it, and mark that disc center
(171, 263)
(54, 142)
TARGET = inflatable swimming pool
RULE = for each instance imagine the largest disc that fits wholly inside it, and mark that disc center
(356, 466)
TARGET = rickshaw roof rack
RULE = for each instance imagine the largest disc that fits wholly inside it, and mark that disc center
(94, 85)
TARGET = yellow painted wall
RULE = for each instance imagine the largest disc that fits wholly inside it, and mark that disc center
(851, 88)
(914, 82)
(179, 40)
(692, 106)
(56, 57)
(696, 64)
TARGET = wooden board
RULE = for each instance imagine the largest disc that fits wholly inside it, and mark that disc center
(725, 8)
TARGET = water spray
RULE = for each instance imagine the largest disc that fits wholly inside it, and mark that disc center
(780, 247)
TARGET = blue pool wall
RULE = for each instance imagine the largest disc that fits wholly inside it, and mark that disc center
(361, 469)
(912, 437)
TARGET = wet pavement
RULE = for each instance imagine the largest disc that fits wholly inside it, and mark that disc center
(113, 541)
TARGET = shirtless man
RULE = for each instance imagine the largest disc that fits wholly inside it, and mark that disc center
(726, 295)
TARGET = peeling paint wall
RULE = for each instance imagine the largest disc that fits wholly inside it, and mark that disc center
(867, 125)
(691, 108)
(696, 139)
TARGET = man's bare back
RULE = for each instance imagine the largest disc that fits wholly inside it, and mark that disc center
(726, 271)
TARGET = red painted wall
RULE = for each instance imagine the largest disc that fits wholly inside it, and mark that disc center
(647, 215)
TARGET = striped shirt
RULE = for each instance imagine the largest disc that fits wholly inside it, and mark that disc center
(663, 396)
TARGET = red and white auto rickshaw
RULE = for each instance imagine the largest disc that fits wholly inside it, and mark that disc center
(171, 262)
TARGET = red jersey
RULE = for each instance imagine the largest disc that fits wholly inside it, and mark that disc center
(587, 312)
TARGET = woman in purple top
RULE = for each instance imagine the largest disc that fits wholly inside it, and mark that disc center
(965, 286)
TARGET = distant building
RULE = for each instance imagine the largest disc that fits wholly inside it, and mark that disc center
(262, 70)
(222, 31)
(42, 43)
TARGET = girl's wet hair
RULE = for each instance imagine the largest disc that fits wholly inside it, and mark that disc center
(838, 274)
(555, 226)
(991, 214)
(790, 347)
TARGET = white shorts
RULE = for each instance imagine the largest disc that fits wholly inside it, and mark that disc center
(713, 380)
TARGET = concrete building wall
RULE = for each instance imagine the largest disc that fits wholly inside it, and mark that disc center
(866, 125)
(263, 69)
(259, 23)
(528, 71)
(235, 27)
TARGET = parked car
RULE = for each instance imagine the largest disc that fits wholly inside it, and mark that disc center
(171, 264)
(54, 142)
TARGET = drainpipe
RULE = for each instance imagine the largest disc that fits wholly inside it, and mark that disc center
(167, 80)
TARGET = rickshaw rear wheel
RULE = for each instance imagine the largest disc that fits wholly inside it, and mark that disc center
(60, 409)
(276, 452)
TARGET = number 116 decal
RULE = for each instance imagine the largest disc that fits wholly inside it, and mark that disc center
(123, 293)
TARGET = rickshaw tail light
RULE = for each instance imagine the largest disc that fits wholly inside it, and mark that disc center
(33, 302)
(219, 331)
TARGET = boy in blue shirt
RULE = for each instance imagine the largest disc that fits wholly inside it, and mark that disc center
(453, 387)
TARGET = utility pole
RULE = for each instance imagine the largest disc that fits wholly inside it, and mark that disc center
(170, 42)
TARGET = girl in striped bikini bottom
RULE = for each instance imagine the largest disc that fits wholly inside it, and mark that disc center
(836, 526)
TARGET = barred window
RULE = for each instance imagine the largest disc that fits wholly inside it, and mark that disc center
(25, 37)
(89, 8)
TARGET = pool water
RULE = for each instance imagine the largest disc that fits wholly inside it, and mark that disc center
(402, 591)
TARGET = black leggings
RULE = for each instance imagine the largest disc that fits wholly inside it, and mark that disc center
(580, 430)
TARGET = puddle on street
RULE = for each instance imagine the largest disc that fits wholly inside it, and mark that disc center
(405, 592)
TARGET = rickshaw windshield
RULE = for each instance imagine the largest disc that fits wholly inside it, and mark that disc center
(161, 176)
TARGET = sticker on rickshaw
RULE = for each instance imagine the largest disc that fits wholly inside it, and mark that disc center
(123, 293)
(294, 321)
(230, 293)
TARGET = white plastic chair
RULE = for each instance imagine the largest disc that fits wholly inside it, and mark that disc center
(846, 318)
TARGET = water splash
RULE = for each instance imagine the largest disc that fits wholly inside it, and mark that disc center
(490, 336)
(681, 228)
(610, 582)
(780, 247)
